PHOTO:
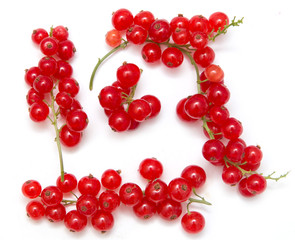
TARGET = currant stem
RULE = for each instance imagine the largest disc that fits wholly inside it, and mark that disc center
(276, 178)
(100, 60)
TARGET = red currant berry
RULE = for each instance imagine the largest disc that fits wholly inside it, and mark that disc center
(154, 103)
(89, 185)
(35, 210)
(128, 75)
(69, 85)
(243, 188)
(196, 106)
(156, 190)
(43, 84)
(179, 22)
(193, 222)
(256, 184)
(47, 65)
(198, 40)
(119, 121)
(204, 85)
(55, 213)
(51, 196)
(139, 110)
(38, 35)
(31, 189)
(102, 221)
(68, 137)
(66, 50)
(160, 31)
(130, 194)
(64, 70)
(181, 113)
(204, 56)
(34, 96)
(214, 73)
(136, 34)
(151, 52)
(111, 179)
(215, 129)
(180, 36)
(145, 209)
(172, 57)
(169, 209)
(75, 105)
(231, 175)
(122, 19)
(109, 200)
(64, 100)
(218, 114)
(179, 189)
(68, 184)
(253, 155)
(195, 175)
(39, 111)
(214, 151)
(198, 23)
(110, 98)
(31, 75)
(234, 150)
(75, 221)
(249, 167)
(144, 19)
(232, 128)
(150, 168)
(218, 20)
(113, 38)
(87, 205)
(218, 94)
(60, 33)
(77, 120)
(49, 46)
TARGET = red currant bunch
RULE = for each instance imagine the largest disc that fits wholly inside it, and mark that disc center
(123, 111)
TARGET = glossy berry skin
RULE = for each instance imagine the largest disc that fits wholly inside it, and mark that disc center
(110, 98)
(204, 56)
(111, 179)
(195, 175)
(218, 94)
(179, 189)
(69, 137)
(87, 205)
(139, 110)
(31, 75)
(160, 31)
(154, 103)
(180, 111)
(232, 128)
(60, 33)
(31, 189)
(179, 22)
(77, 120)
(253, 155)
(130, 194)
(64, 70)
(66, 50)
(219, 114)
(89, 185)
(231, 175)
(151, 52)
(69, 85)
(136, 34)
(144, 19)
(218, 20)
(43, 84)
(49, 46)
(47, 65)
(122, 19)
(128, 75)
(55, 213)
(145, 209)
(113, 38)
(234, 150)
(35, 210)
(156, 191)
(34, 96)
(150, 168)
(198, 40)
(215, 129)
(69, 184)
(119, 121)
(214, 73)
(180, 36)
(102, 221)
(51, 196)
(242, 187)
(172, 57)
(109, 201)
(193, 222)
(214, 151)
(256, 184)
(38, 35)
(75, 221)
(64, 100)
(39, 111)
(169, 210)
(198, 23)
(75, 105)
(196, 106)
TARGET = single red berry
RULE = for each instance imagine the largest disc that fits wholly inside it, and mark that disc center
(214, 151)
(113, 38)
(218, 114)
(102, 221)
(154, 103)
(232, 128)
(150, 168)
(75, 105)
(43, 84)
(253, 155)
(204, 85)
(139, 110)
(180, 36)
(111, 179)
(68, 184)
(179, 189)
(64, 100)
(214, 73)
(34, 96)
(218, 94)
(119, 120)
(55, 213)
(136, 34)
(160, 31)
(110, 98)
(218, 20)
(193, 222)
(68, 137)
(51, 195)
(204, 56)
(195, 175)
(35, 210)
(63, 70)
(198, 40)
(128, 75)
(122, 19)
(39, 111)
(109, 200)
(130, 194)
(243, 188)
(89, 185)
(77, 120)
(87, 205)
(151, 52)
(231, 175)
(196, 106)
(31, 74)
(179, 22)
(256, 183)
(38, 35)
(145, 208)
(199, 23)
(31, 189)
(169, 209)
(144, 19)
(69, 85)
(60, 33)
(75, 221)
(215, 129)
(172, 57)
(180, 111)
(49, 46)
(47, 65)
(156, 191)
(66, 50)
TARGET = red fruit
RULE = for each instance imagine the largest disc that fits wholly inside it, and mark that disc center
(196, 106)
(179, 189)
(66, 50)
(111, 179)
(39, 111)
(55, 213)
(69, 184)
(60, 33)
(34, 96)
(113, 38)
(128, 75)
(231, 175)
(214, 73)
(199, 23)
(109, 200)
(35, 210)
(38, 35)
(193, 222)
(232, 128)
(150, 168)
(156, 191)
(243, 188)
(49, 46)
(151, 52)
(160, 31)
(218, 94)
(68, 137)
(218, 20)
(204, 56)
(130, 194)
(172, 57)
(195, 175)
(256, 184)
(139, 110)
(122, 19)
(102, 221)
(180, 111)
(180, 36)
(64, 70)
(89, 185)
(198, 40)
(31, 75)
(169, 209)
(69, 85)
(145, 209)
(154, 103)
(43, 84)
(179, 22)
(253, 155)
(144, 19)
(136, 34)
(87, 205)
(77, 120)
(75, 221)
(31, 189)
(119, 121)
(214, 151)
(51, 196)
(110, 98)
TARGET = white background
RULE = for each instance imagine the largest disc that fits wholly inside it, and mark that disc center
(258, 61)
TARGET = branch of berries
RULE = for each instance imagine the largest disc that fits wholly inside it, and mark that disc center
(53, 89)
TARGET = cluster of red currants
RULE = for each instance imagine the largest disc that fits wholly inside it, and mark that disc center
(53, 87)
(123, 111)
(98, 206)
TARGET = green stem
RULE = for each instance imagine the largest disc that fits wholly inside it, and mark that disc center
(100, 60)
(276, 178)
